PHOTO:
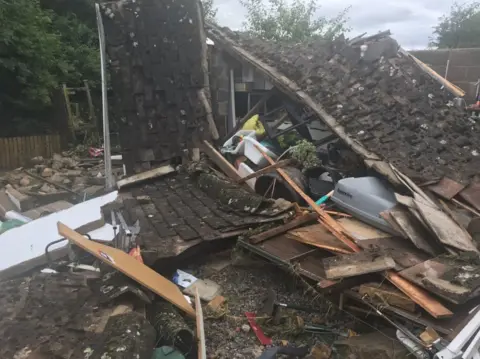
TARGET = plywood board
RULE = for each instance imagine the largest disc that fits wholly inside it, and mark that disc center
(360, 230)
(356, 264)
(296, 222)
(130, 267)
(446, 230)
(318, 236)
(413, 229)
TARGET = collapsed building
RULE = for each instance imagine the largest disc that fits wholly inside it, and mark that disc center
(360, 169)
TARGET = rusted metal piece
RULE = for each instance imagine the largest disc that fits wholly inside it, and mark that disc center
(471, 194)
(446, 188)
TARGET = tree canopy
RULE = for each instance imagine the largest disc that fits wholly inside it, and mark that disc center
(39, 50)
(458, 29)
(291, 21)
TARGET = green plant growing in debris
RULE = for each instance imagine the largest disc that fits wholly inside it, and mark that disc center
(305, 153)
(292, 21)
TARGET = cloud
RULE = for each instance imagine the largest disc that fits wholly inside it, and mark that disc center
(411, 21)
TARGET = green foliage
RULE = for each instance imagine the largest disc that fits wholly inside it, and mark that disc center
(209, 10)
(459, 29)
(305, 153)
(40, 50)
(291, 21)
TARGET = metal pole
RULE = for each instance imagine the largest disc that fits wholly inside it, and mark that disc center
(233, 115)
(106, 126)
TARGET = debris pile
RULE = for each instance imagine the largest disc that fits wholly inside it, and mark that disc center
(344, 223)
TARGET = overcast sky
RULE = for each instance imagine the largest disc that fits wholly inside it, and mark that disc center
(410, 21)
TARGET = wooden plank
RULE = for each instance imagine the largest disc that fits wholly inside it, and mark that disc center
(413, 229)
(317, 235)
(221, 162)
(130, 267)
(300, 220)
(446, 230)
(356, 264)
(202, 348)
(145, 176)
(386, 215)
(268, 169)
(419, 296)
(383, 294)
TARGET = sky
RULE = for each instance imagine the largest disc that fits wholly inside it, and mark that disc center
(410, 21)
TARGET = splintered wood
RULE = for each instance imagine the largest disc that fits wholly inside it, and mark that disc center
(421, 297)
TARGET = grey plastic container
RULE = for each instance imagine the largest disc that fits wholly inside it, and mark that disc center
(365, 198)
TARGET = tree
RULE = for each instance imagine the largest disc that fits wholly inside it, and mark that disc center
(209, 10)
(291, 21)
(459, 29)
(39, 50)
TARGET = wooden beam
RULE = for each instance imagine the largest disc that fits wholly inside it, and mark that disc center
(202, 348)
(351, 265)
(297, 222)
(130, 267)
(268, 169)
(221, 162)
(250, 113)
(145, 176)
(208, 111)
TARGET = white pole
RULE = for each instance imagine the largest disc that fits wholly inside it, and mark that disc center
(106, 126)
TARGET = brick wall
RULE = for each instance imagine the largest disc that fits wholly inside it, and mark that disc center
(464, 68)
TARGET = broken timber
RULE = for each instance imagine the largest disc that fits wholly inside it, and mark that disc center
(144, 176)
(202, 349)
(261, 237)
(130, 267)
(316, 235)
(350, 265)
(421, 297)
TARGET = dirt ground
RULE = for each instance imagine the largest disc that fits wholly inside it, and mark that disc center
(56, 315)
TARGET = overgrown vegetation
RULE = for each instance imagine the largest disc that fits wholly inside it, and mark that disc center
(41, 48)
(291, 21)
(458, 29)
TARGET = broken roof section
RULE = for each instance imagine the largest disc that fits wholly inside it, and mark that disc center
(377, 99)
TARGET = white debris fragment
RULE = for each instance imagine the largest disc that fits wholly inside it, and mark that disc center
(424, 126)
(475, 153)
(135, 44)
(88, 352)
(443, 142)
(360, 133)
(48, 271)
(121, 349)
(339, 106)
(431, 96)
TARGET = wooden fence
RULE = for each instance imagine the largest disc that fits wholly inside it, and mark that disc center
(18, 151)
